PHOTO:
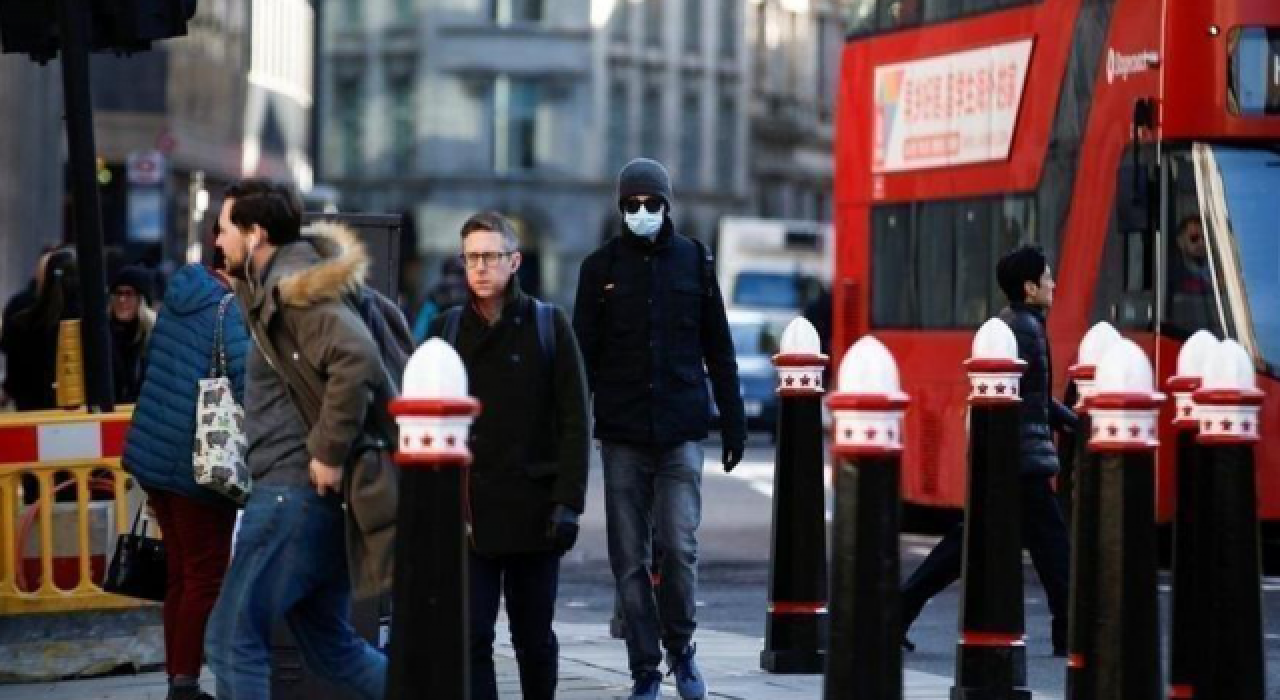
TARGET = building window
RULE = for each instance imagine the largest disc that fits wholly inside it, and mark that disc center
(405, 9)
(351, 11)
(403, 138)
(653, 22)
(515, 110)
(507, 12)
(691, 137)
(730, 28)
(619, 125)
(651, 125)
(726, 140)
(693, 26)
(350, 127)
(620, 21)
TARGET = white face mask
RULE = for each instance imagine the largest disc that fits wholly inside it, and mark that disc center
(643, 223)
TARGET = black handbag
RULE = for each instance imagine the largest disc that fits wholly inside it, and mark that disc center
(138, 568)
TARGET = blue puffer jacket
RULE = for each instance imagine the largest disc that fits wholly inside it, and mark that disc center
(157, 450)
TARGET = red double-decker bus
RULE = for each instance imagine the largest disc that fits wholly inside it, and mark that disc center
(1138, 141)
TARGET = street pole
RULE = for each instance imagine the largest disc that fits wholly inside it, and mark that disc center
(1191, 516)
(73, 26)
(1083, 607)
(991, 656)
(864, 661)
(1228, 404)
(795, 639)
(430, 651)
(1125, 634)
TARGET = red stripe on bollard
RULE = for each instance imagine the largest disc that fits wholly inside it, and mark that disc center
(1182, 692)
(992, 639)
(1075, 661)
(797, 608)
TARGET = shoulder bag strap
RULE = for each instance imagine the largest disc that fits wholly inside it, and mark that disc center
(452, 320)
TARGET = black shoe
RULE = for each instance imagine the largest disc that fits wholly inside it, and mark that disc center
(907, 644)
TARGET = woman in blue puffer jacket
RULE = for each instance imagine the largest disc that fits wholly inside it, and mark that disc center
(197, 523)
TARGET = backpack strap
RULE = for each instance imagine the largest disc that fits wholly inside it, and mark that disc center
(544, 316)
(452, 319)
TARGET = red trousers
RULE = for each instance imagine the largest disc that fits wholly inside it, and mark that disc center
(197, 542)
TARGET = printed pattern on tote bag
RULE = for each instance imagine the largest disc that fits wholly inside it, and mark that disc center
(220, 445)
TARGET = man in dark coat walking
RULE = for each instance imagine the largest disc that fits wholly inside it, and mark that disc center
(652, 326)
(1027, 281)
(528, 480)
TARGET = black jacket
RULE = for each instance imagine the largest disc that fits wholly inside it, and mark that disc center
(529, 443)
(648, 316)
(1041, 413)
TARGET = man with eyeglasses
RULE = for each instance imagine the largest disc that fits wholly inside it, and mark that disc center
(528, 478)
(652, 325)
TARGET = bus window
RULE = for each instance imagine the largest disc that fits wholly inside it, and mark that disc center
(974, 270)
(1125, 294)
(892, 281)
(935, 251)
(1190, 300)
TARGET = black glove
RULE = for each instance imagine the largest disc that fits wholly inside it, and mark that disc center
(562, 528)
(732, 455)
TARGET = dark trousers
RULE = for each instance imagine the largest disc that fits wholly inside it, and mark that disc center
(1044, 535)
(197, 541)
(529, 583)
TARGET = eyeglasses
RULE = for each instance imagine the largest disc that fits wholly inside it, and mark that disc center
(653, 205)
(484, 259)
(124, 293)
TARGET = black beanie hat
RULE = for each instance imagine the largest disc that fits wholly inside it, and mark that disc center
(645, 176)
(139, 278)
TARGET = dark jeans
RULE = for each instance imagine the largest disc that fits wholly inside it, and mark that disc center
(197, 543)
(529, 583)
(1044, 534)
(654, 493)
(290, 563)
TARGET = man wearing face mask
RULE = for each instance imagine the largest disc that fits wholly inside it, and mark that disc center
(651, 324)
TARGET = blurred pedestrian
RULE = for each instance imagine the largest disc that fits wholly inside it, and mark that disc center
(197, 522)
(449, 291)
(649, 317)
(20, 301)
(528, 478)
(130, 320)
(30, 338)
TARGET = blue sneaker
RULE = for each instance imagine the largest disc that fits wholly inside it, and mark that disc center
(689, 681)
(648, 686)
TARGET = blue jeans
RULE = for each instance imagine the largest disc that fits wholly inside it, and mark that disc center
(654, 493)
(289, 563)
(528, 582)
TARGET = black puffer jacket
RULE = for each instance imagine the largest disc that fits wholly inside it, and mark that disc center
(529, 443)
(648, 316)
(1041, 413)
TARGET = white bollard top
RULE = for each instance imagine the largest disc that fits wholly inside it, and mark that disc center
(435, 372)
(1125, 369)
(994, 341)
(1193, 359)
(868, 368)
(1096, 343)
(1227, 365)
(800, 338)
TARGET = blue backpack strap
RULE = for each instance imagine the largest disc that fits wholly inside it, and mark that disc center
(452, 319)
(544, 316)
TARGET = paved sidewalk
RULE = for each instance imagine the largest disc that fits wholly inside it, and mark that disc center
(592, 667)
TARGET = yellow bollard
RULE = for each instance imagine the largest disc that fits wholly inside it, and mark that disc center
(69, 386)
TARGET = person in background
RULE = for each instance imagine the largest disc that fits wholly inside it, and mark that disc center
(197, 522)
(30, 338)
(449, 291)
(130, 320)
(20, 301)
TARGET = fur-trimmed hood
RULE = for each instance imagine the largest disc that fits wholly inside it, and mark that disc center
(342, 267)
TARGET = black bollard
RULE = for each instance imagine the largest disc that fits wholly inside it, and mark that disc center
(429, 653)
(1124, 634)
(1083, 607)
(991, 656)
(795, 638)
(864, 661)
(1231, 659)
(1191, 516)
